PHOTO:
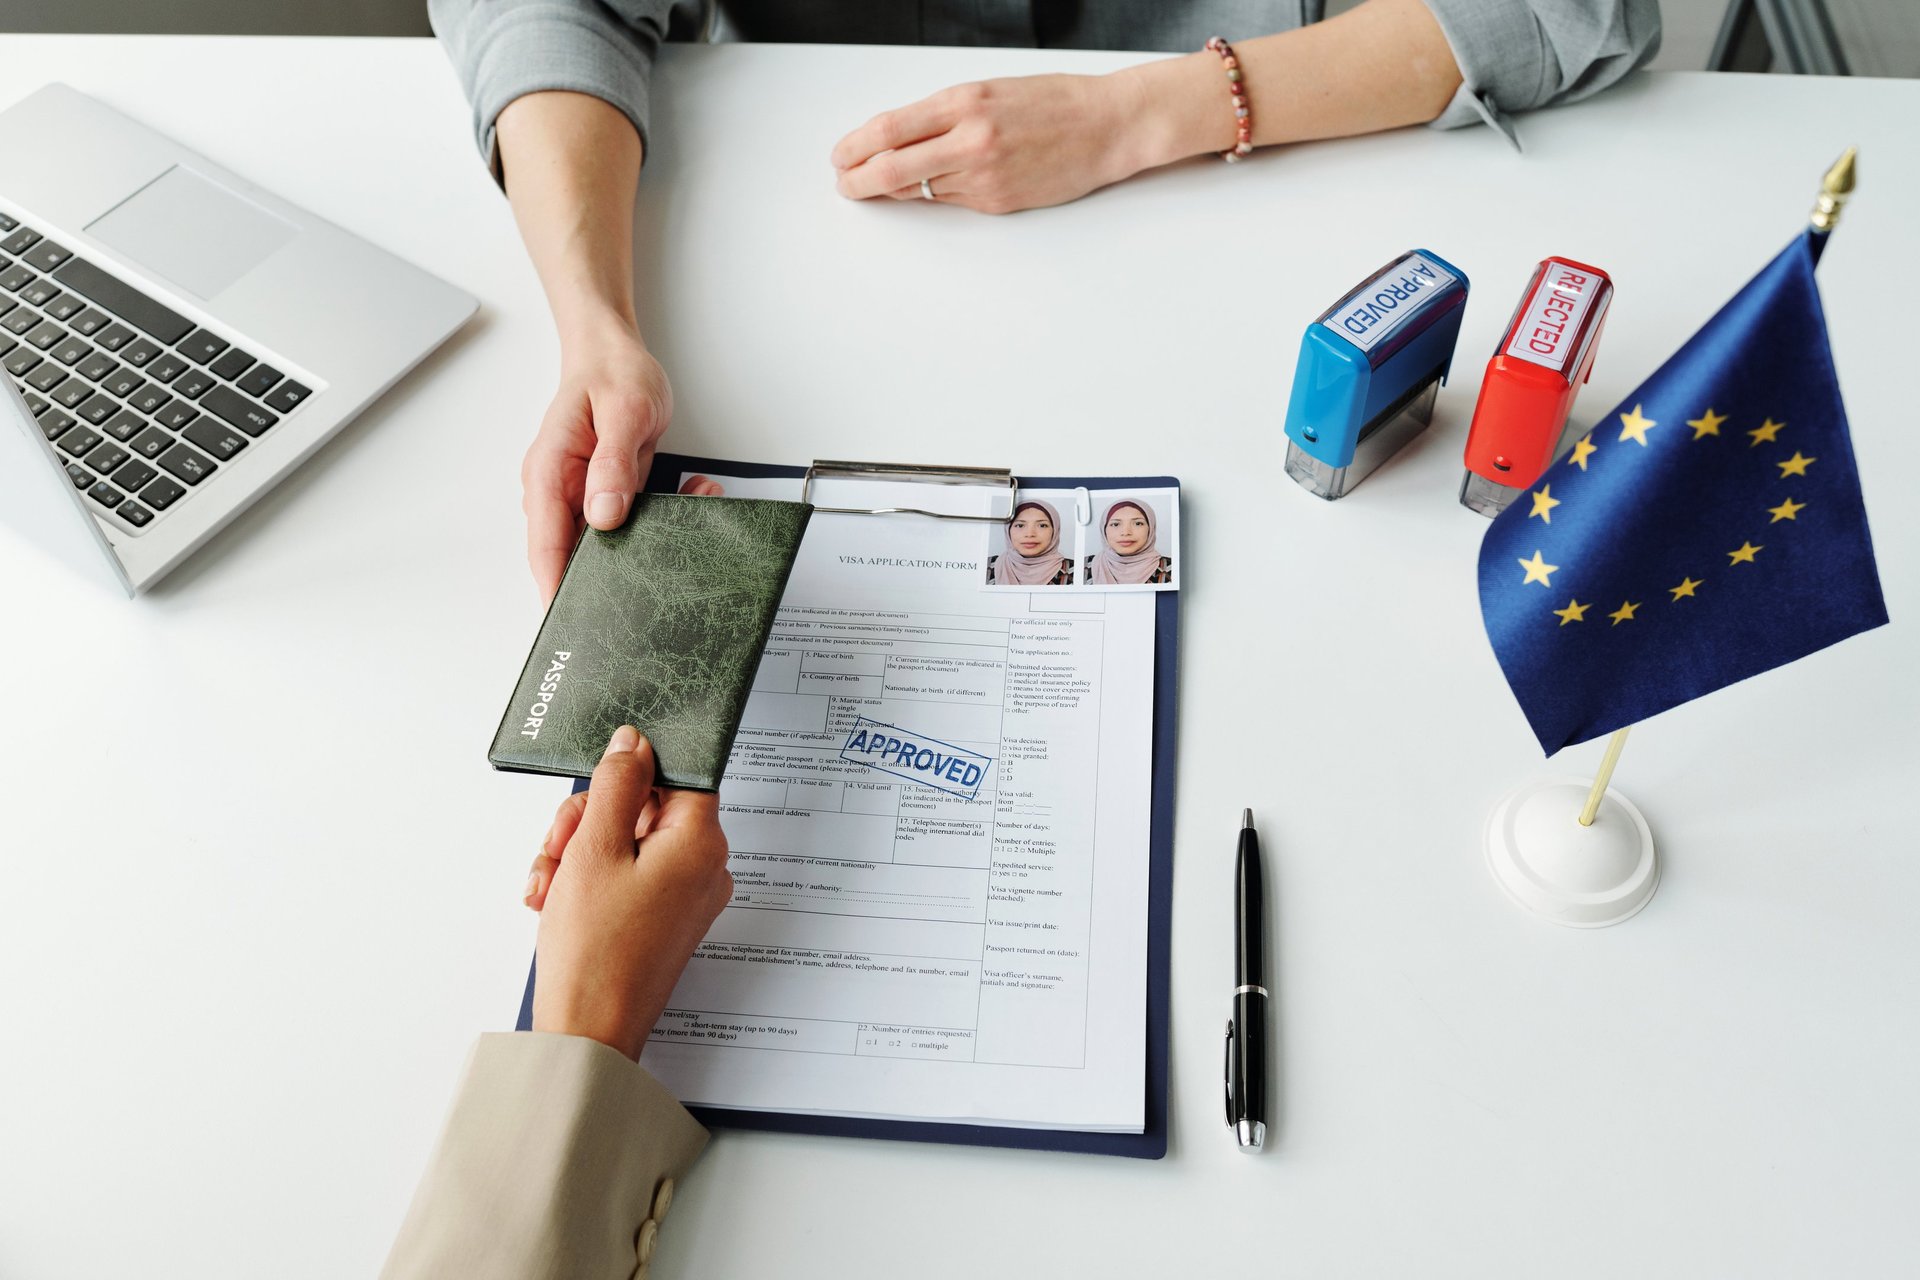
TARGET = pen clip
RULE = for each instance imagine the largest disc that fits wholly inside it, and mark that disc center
(1227, 1073)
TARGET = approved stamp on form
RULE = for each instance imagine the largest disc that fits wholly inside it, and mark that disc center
(928, 761)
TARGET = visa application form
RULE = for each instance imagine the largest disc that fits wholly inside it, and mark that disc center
(938, 810)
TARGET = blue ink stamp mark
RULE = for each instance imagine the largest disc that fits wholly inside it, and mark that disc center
(927, 761)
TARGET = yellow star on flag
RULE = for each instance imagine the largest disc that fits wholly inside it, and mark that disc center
(1574, 612)
(1543, 504)
(1685, 588)
(1796, 465)
(1634, 426)
(1765, 432)
(1744, 555)
(1624, 613)
(1707, 424)
(1787, 510)
(1583, 449)
(1538, 570)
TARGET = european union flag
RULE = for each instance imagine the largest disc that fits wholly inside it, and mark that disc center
(1708, 529)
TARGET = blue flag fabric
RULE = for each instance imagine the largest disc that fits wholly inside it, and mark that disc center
(1708, 529)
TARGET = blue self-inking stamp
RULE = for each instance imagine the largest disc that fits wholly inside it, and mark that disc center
(1369, 370)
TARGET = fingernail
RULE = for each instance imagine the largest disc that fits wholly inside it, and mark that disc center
(533, 883)
(625, 738)
(605, 508)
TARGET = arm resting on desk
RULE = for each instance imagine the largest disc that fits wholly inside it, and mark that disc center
(548, 1167)
(1517, 55)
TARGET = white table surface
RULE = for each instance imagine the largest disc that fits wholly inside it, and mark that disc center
(262, 889)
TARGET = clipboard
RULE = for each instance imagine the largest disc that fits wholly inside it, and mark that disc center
(1151, 1142)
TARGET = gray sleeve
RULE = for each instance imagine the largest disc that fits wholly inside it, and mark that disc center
(1516, 55)
(502, 49)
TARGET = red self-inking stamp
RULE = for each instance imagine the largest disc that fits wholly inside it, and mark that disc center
(1523, 420)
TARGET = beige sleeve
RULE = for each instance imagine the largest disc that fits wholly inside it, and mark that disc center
(552, 1164)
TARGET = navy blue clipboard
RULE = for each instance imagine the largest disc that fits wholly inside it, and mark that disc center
(1151, 1143)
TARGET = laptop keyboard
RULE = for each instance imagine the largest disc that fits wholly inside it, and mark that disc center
(142, 405)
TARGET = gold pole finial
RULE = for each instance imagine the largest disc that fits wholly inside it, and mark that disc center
(1834, 190)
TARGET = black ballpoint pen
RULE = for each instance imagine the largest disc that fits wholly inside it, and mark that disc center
(1247, 1029)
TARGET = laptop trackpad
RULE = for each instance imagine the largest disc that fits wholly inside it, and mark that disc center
(192, 231)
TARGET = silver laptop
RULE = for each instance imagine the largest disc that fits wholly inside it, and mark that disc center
(175, 339)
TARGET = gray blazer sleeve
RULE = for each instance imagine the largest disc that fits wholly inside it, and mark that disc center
(502, 49)
(1515, 55)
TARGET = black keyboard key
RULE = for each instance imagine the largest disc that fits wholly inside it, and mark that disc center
(72, 392)
(161, 494)
(141, 350)
(54, 424)
(134, 474)
(88, 322)
(259, 380)
(231, 365)
(175, 414)
(20, 319)
(125, 301)
(105, 458)
(21, 240)
(200, 346)
(151, 443)
(78, 441)
(187, 464)
(221, 442)
(191, 383)
(98, 409)
(45, 334)
(15, 276)
(6, 223)
(238, 410)
(46, 377)
(63, 307)
(20, 361)
(122, 384)
(97, 366)
(36, 406)
(39, 291)
(7, 344)
(135, 514)
(114, 336)
(46, 255)
(80, 476)
(124, 425)
(71, 350)
(166, 368)
(148, 399)
(106, 495)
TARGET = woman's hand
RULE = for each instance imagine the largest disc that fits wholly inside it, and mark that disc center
(594, 446)
(1000, 145)
(628, 881)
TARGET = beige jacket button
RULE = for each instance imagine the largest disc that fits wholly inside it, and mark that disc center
(663, 1200)
(643, 1242)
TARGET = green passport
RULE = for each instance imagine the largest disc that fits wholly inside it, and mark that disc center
(659, 624)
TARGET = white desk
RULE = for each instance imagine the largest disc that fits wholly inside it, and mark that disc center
(261, 888)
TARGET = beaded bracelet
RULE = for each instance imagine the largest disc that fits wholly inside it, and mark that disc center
(1242, 117)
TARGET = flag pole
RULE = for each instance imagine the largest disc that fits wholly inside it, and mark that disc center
(1834, 190)
(1615, 745)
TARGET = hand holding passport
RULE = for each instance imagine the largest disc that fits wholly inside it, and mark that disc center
(659, 624)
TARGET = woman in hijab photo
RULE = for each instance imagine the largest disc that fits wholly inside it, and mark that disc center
(1032, 557)
(1131, 554)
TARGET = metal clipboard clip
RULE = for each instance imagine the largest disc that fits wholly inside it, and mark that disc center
(998, 477)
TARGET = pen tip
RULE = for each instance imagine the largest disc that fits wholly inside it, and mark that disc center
(1246, 820)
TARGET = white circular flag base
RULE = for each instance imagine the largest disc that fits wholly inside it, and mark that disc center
(1547, 862)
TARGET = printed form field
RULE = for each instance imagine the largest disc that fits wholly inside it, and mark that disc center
(922, 924)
